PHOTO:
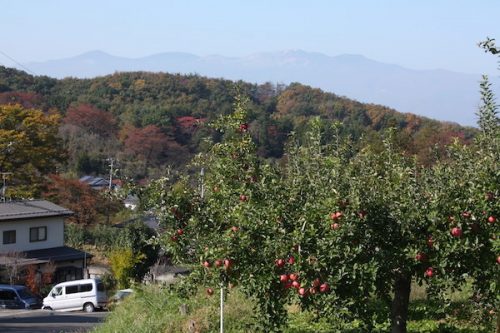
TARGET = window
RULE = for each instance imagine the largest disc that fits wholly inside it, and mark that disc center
(7, 295)
(9, 237)
(86, 287)
(71, 289)
(57, 291)
(38, 234)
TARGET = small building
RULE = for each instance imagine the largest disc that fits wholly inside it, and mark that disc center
(96, 183)
(32, 233)
(131, 201)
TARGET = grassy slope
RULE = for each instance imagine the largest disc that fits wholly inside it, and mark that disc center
(157, 310)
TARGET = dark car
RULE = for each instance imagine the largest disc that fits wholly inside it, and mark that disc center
(18, 297)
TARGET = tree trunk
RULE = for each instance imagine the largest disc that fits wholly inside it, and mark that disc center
(399, 311)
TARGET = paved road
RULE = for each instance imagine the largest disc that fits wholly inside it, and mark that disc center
(43, 321)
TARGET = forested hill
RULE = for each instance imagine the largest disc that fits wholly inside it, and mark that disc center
(149, 120)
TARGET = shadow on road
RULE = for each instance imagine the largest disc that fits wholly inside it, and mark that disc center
(51, 322)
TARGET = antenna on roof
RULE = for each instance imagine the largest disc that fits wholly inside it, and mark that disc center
(4, 187)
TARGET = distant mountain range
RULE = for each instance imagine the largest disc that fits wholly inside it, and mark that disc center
(438, 94)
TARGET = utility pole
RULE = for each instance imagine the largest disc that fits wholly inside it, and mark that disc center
(111, 163)
(221, 328)
(110, 186)
(4, 187)
(223, 276)
(202, 183)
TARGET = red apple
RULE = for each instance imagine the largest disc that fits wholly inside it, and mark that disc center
(283, 278)
(324, 288)
(430, 241)
(335, 226)
(421, 257)
(456, 232)
(279, 262)
(492, 219)
(291, 260)
(498, 260)
(210, 291)
(207, 264)
(303, 291)
(296, 284)
(234, 228)
(335, 216)
(294, 277)
(218, 263)
(313, 291)
(243, 198)
(288, 285)
(429, 272)
(173, 238)
(466, 214)
(228, 263)
(180, 232)
(243, 127)
(316, 283)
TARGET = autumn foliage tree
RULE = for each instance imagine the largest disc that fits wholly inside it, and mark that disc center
(29, 148)
(76, 196)
(27, 100)
(148, 143)
(91, 119)
(89, 206)
(32, 279)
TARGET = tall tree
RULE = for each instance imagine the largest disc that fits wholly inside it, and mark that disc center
(91, 119)
(147, 143)
(29, 148)
(488, 110)
(89, 205)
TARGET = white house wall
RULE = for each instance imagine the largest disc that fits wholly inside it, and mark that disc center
(55, 234)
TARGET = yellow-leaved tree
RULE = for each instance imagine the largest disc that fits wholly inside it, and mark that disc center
(29, 149)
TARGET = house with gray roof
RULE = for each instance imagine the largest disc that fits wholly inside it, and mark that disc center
(96, 183)
(32, 232)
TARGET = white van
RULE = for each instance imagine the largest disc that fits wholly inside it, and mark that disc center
(86, 295)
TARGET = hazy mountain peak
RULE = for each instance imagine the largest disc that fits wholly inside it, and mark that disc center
(94, 53)
(352, 57)
(438, 94)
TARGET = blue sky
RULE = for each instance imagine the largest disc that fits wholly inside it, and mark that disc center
(419, 34)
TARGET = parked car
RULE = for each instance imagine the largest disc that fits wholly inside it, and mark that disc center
(86, 295)
(18, 297)
(118, 297)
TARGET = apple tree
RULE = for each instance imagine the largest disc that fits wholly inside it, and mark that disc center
(330, 228)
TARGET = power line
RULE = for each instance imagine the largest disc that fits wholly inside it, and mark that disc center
(18, 63)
